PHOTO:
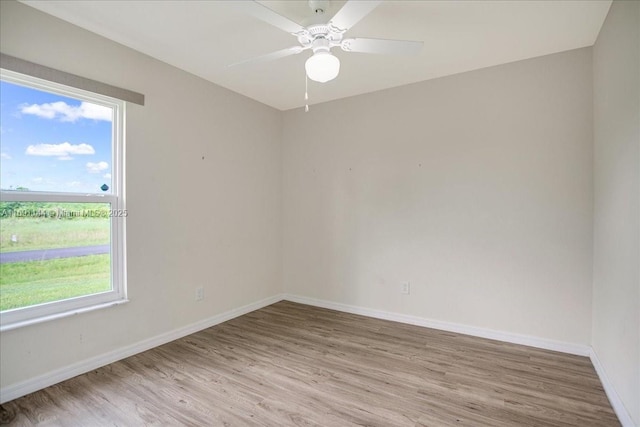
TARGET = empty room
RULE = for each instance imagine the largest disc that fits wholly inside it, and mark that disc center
(320, 213)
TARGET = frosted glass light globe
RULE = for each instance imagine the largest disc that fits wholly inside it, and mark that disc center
(322, 67)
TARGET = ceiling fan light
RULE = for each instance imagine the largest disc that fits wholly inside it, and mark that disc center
(322, 67)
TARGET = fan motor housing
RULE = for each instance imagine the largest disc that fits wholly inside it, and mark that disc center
(321, 31)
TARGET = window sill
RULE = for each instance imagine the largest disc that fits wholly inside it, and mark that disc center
(69, 313)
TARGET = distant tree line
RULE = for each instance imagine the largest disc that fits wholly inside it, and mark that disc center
(49, 210)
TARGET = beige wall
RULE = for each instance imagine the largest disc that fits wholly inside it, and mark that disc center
(193, 222)
(476, 188)
(616, 285)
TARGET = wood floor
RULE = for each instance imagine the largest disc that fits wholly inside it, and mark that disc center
(295, 365)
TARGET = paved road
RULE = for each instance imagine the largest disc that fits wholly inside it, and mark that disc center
(43, 254)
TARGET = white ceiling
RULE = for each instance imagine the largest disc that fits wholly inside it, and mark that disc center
(203, 37)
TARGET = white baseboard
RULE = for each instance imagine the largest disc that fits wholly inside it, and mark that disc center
(34, 384)
(547, 344)
(621, 411)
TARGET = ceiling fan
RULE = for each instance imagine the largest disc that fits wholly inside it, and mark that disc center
(323, 66)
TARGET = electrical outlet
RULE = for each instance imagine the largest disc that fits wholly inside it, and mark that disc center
(405, 288)
(199, 293)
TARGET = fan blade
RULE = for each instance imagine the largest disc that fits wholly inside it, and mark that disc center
(391, 47)
(351, 13)
(267, 15)
(270, 56)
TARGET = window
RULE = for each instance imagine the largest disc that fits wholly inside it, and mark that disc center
(62, 212)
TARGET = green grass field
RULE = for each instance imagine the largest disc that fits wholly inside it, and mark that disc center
(47, 233)
(24, 284)
(28, 283)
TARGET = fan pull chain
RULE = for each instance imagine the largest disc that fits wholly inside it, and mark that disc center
(306, 92)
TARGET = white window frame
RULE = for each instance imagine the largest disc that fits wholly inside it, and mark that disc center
(14, 318)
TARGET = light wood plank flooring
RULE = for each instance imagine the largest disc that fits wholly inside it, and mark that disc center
(294, 365)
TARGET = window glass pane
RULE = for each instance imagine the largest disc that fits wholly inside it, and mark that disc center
(54, 143)
(61, 211)
(53, 251)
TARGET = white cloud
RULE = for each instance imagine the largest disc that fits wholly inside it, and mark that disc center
(61, 151)
(107, 176)
(68, 113)
(97, 167)
(5, 156)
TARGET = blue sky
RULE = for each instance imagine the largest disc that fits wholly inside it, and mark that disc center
(49, 142)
